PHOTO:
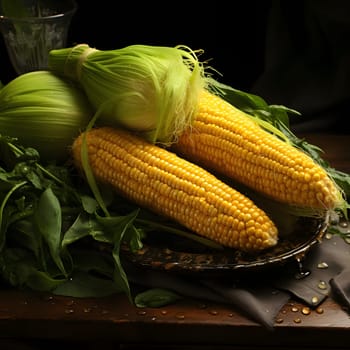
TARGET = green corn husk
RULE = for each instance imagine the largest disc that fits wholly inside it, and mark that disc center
(150, 89)
(44, 111)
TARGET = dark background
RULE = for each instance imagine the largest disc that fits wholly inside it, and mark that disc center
(290, 52)
(232, 36)
(230, 33)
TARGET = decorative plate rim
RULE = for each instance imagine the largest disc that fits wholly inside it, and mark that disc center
(166, 258)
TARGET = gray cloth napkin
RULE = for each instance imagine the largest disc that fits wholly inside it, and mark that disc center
(260, 303)
(325, 268)
(324, 272)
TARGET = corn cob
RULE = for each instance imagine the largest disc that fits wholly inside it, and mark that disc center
(159, 180)
(226, 140)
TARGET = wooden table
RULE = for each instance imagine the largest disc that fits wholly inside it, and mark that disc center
(39, 321)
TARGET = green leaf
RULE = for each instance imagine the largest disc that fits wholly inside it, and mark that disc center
(89, 174)
(281, 113)
(48, 220)
(4, 223)
(84, 226)
(118, 226)
(22, 235)
(133, 236)
(92, 277)
(113, 230)
(156, 297)
(254, 106)
(342, 179)
(90, 204)
(84, 285)
(35, 179)
(94, 261)
(240, 99)
(40, 280)
(20, 268)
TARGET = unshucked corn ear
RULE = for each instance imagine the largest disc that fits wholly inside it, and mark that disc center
(153, 89)
(225, 139)
(155, 178)
(44, 111)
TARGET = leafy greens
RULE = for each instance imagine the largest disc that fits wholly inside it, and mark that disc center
(53, 236)
(42, 214)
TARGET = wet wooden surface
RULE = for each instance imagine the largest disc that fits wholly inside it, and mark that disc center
(42, 321)
(53, 319)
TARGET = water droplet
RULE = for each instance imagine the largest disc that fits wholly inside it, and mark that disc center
(213, 312)
(230, 314)
(48, 298)
(142, 312)
(180, 316)
(319, 310)
(322, 265)
(295, 309)
(306, 310)
(279, 320)
(164, 312)
(301, 273)
(68, 311)
(314, 300)
(328, 235)
(322, 285)
(343, 224)
(297, 320)
(153, 318)
(87, 309)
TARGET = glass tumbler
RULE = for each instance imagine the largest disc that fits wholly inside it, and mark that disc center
(33, 28)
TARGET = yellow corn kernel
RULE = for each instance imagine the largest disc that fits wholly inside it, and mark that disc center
(159, 180)
(225, 139)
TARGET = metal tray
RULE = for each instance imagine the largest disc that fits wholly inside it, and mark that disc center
(172, 253)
